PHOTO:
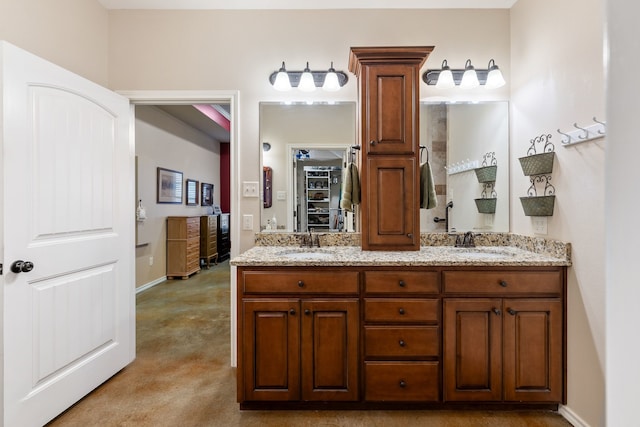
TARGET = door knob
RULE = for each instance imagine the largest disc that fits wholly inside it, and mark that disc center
(20, 266)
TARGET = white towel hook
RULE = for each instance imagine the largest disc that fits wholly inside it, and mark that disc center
(604, 125)
(565, 134)
(586, 132)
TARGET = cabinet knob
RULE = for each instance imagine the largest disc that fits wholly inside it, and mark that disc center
(372, 142)
(401, 283)
(511, 311)
(503, 283)
(402, 384)
(401, 310)
(300, 284)
(307, 311)
(402, 343)
(292, 311)
(410, 235)
(497, 311)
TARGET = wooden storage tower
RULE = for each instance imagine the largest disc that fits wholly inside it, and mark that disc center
(183, 246)
(388, 95)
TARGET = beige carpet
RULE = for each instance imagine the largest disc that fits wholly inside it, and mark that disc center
(181, 375)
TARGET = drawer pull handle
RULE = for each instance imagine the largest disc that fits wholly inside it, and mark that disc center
(401, 283)
(402, 343)
(292, 312)
(503, 283)
(402, 384)
(511, 311)
(307, 311)
(401, 311)
(497, 311)
(300, 284)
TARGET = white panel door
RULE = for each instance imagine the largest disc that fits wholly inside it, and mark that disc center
(67, 207)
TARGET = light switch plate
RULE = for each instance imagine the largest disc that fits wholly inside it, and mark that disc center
(247, 222)
(250, 189)
(539, 224)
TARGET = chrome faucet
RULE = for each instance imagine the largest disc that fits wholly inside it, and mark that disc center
(306, 240)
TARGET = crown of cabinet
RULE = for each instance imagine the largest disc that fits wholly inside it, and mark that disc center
(359, 56)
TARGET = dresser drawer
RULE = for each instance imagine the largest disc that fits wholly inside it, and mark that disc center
(402, 381)
(299, 281)
(503, 282)
(401, 282)
(406, 341)
(193, 226)
(399, 310)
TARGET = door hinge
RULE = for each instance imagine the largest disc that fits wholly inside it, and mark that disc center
(0, 269)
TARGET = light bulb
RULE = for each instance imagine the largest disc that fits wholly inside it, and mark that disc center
(306, 81)
(445, 78)
(494, 78)
(470, 77)
(282, 82)
(331, 83)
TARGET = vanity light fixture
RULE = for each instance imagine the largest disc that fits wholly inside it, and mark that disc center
(491, 77)
(308, 80)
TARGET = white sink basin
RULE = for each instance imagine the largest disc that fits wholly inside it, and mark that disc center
(307, 254)
(472, 253)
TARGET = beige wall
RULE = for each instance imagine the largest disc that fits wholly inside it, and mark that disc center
(237, 50)
(70, 33)
(558, 79)
(163, 141)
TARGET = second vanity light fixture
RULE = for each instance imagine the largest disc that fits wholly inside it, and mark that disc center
(466, 78)
(308, 80)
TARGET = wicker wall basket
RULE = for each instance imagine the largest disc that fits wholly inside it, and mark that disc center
(486, 206)
(537, 164)
(486, 173)
(538, 206)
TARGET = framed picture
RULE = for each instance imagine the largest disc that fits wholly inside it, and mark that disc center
(192, 192)
(207, 194)
(169, 186)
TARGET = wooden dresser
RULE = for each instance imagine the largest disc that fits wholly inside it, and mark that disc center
(183, 246)
(209, 238)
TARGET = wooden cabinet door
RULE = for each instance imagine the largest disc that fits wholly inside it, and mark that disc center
(330, 339)
(472, 349)
(390, 108)
(390, 214)
(533, 364)
(270, 349)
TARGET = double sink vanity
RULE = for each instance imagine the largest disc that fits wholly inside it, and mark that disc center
(392, 316)
(335, 326)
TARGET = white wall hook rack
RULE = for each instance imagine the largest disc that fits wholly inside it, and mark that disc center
(584, 134)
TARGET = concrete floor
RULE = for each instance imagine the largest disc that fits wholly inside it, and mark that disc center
(181, 375)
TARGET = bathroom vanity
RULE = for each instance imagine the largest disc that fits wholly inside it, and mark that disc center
(339, 327)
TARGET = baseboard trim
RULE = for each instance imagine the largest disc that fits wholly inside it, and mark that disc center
(150, 284)
(572, 417)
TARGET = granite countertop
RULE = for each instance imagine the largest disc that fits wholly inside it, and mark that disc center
(426, 256)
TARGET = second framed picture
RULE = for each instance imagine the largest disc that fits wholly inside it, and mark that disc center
(206, 194)
(192, 192)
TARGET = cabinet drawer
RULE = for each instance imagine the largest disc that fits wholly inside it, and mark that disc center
(389, 341)
(297, 281)
(397, 310)
(402, 381)
(503, 282)
(399, 282)
(193, 227)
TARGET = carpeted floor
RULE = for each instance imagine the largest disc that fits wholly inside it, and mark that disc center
(181, 375)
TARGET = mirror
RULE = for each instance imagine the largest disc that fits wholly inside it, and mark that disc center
(305, 147)
(459, 139)
(455, 135)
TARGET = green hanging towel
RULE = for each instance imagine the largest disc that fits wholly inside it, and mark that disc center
(427, 188)
(350, 188)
